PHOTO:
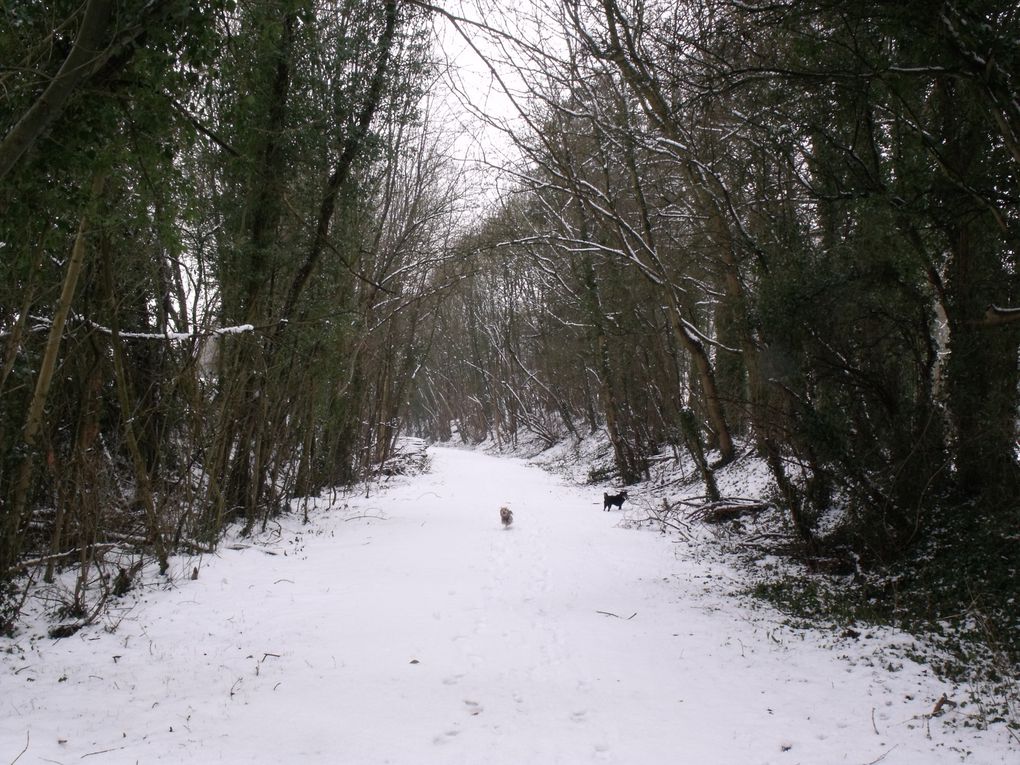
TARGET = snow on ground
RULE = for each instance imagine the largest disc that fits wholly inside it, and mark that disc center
(410, 627)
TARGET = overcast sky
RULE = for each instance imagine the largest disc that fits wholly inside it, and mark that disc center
(473, 102)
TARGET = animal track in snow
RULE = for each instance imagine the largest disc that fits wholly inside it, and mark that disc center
(446, 737)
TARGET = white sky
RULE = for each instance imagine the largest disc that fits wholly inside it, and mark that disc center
(478, 108)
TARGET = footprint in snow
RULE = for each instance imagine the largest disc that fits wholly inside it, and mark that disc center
(445, 738)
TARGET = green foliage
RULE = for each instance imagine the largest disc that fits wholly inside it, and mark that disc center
(871, 304)
(852, 328)
(212, 125)
(957, 592)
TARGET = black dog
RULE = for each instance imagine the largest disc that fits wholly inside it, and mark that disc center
(608, 500)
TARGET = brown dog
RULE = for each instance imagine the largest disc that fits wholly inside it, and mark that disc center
(506, 516)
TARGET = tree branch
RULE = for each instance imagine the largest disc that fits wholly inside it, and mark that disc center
(86, 56)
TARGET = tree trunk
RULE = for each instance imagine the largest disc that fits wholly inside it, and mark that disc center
(981, 372)
(706, 377)
(627, 462)
(352, 149)
(128, 413)
(34, 419)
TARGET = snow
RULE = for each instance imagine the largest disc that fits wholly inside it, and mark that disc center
(409, 627)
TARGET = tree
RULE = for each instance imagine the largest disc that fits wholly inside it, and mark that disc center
(206, 331)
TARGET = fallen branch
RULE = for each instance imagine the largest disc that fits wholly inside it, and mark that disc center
(682, 513)
(103, 751)
(609, 613)
(1000, 315)
(26, 565)
(666, 522)
(28, 738)
(728, 510)
(883, 755)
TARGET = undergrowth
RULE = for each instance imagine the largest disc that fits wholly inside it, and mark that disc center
(957, 592)
(9, 607)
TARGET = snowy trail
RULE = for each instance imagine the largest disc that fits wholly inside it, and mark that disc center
(412, 628)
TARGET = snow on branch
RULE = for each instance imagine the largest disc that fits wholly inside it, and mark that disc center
(998, 315)
(240, 329)
(41, 323)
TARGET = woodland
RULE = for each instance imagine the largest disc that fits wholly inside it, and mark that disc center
(239, 258)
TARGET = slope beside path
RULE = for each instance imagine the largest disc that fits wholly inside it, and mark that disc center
(410, 627)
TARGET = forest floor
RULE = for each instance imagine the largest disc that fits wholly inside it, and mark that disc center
(408, 626)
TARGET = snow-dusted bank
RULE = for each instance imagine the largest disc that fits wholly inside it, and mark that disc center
(410, 627)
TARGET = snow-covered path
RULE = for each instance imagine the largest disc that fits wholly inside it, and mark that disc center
(410, 627)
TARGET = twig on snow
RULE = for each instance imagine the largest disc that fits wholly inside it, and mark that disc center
(608, 613)
(883, 755)
(940, 704)
(102, 751)
(28, 738)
